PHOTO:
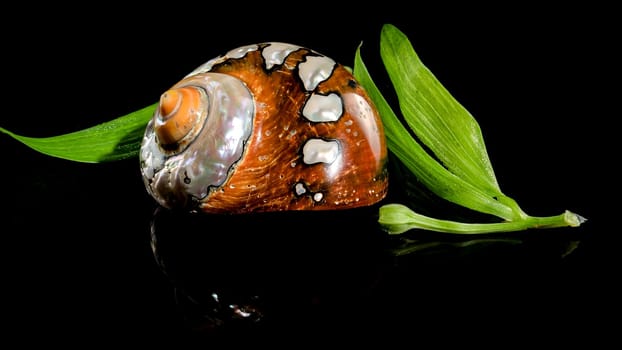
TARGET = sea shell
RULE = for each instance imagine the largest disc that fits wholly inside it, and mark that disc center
(265, 127)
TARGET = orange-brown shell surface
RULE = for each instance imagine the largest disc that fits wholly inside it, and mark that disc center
(265, 127)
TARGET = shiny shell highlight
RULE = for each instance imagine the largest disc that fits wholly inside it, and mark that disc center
(265, 127)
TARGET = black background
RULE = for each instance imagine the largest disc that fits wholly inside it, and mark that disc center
(77, 264)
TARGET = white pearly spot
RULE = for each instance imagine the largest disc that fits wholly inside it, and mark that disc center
(241, 51)
(300, 189)
(320, 151)
(275, 53)
(318, 196)
(320, 108)
(315, 70)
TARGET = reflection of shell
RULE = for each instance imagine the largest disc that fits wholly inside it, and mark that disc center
(266, 127)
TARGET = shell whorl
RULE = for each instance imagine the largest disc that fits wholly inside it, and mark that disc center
(179, 111)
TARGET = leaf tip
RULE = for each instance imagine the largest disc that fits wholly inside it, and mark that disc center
(574, 220)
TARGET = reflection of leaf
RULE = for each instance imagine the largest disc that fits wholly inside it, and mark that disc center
(551, 248)
(569, 248)
(110, 141)
(410, 246)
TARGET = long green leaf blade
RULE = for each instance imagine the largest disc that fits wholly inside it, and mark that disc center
(114, 140)
(434, 115)
(427, 169)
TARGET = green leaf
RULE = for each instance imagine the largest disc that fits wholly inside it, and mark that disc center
(460, 170)
(110, 141)
(428, 170)
(397, 218)
(434, 115)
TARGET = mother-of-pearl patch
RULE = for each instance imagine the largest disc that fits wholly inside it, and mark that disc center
(315, 70)
(300, 189)
(276, 53)
(318, 196)
(241, 51)
(207, 66)
(321, 108)
(320, 151)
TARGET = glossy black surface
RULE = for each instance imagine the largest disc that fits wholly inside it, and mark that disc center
(87, 257)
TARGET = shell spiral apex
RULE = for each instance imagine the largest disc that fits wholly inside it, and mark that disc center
(265, 127)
